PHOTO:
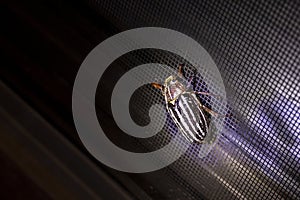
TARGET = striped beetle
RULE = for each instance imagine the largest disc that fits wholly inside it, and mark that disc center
(185, 109)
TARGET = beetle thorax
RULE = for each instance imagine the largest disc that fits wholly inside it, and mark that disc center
(173, 88)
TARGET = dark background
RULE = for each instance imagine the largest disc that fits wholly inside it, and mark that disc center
(43, 44)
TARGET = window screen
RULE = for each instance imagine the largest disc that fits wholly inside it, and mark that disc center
(255, 45)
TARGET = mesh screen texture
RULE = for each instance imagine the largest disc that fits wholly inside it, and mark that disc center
(255, 45)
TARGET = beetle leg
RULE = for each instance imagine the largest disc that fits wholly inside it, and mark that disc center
(191, 78)
(210, 111)
(157, 86)
(208, 94)
(180, 74)
(213, 113)
(189, 84)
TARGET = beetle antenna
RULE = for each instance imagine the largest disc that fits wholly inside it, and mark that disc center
(180, 71)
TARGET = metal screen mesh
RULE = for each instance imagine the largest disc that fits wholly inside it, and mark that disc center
(256, 48)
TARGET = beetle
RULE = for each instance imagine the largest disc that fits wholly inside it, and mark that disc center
(184, 107)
